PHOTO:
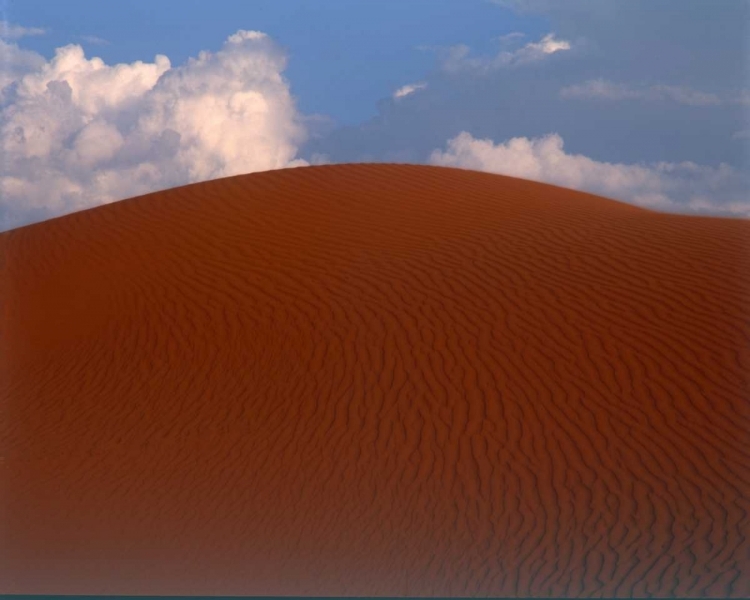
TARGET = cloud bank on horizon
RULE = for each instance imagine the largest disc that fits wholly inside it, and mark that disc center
(651, 186)
(76, 132)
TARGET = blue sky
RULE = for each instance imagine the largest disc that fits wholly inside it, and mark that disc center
(641, 100)
(368, 47)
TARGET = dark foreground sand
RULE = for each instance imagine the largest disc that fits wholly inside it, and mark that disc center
(375, 379)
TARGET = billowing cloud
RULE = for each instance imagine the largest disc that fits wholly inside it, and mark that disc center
(15, 63)
(75, 132)
(601, 89)
(458, 57)
(9, 31)
(408, 89)
(678, 187)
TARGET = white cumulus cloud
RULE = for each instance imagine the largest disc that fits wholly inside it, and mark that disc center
(408, 89)
(76, 132)
(674, 187)
(15, 63)
(459, 59)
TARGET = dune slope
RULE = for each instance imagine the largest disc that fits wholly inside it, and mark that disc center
(375, 380)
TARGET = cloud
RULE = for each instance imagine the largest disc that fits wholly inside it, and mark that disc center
(15, 64)
(458, 58)
(676, 187)
(510, 38)
(408, 89)
(547, 45)
(76, 132)
(601, 89)
(638, 43)
(9, 31)
(685, 95)
(515, 5)
(95, 40)
(743, 98)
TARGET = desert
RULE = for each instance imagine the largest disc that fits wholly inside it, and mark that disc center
(375, 379)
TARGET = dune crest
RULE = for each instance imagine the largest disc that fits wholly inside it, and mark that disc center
(375, 380)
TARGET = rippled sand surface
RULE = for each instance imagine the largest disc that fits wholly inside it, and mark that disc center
(375, 380)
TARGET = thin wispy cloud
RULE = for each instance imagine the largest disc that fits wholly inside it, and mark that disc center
(94, 40)
(408, 89)
(10, 31)
(511, 38)
(547, 45)
(459, 57)
(602, 89)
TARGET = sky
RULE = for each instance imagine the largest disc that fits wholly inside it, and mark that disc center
(644, 101)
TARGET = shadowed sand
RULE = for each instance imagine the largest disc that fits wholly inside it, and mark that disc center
(375, 380)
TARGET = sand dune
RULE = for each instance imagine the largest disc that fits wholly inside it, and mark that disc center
(375, 380)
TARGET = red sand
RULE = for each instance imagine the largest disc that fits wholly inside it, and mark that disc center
(375, 379)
